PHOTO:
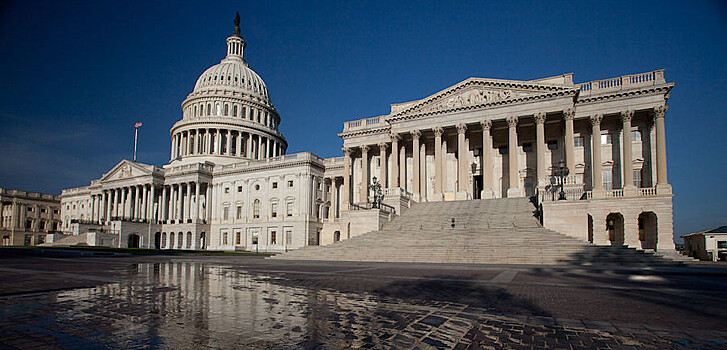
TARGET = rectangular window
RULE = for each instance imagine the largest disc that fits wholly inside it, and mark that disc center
(289, 208)
(274, 210)
(275, 185)
(273, 238)
(578, 141)
(636, 135)
(502, 149)
(239, 212)
(254, 238)
(224, 238)
(227, 190)
(721, 244)
(55, 211)
(288, 237)
(239, 189)
(31, 208)
(605, 139)
(637, 178)
(552, 145)
(42, 210)
(225, 213)
(290, 183)
(527, 147)
(237, 238)
(607, 180)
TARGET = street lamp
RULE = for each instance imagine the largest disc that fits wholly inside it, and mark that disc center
(375, 187)
(560, 173)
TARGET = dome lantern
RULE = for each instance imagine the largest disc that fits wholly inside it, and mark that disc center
(235, 43)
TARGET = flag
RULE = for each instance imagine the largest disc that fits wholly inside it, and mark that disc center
(138, 124)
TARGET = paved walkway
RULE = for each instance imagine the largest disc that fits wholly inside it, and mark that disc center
(247, 302)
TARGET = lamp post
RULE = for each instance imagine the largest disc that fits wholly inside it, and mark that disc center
(560, 173)
(375, 187)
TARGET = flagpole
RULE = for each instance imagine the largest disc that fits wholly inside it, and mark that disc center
(136, 132)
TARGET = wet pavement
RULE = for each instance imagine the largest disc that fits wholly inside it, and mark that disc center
(246, 302)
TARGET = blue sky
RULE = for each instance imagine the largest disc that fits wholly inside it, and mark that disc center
(76, 75)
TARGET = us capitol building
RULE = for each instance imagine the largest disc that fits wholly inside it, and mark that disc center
(230, 185)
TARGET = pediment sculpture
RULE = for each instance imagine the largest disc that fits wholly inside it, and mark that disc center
(470, 98)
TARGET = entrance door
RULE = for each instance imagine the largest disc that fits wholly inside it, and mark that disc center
(133, 241)
(157, 240)
(477, 183)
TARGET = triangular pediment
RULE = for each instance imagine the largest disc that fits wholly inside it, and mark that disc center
(127, 169)
(480, 93)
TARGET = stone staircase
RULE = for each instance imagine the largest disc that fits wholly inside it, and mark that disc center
(491, 231)
(72, 241)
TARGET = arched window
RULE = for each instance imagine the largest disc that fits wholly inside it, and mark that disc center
(258, 116)
(227, 109)
(195, 111)
(234, 111)
(256, 209)
(209, 109)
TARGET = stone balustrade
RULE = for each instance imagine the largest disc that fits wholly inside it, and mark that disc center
(623, 82)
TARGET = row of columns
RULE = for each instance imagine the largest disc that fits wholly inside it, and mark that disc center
(514, 190)
(218, 110)
(220, 142)
(143, 202)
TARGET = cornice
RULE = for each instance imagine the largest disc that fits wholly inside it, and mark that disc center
(621, 94)
(385, 129)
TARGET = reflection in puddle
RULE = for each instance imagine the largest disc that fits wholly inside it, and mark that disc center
(198, 305)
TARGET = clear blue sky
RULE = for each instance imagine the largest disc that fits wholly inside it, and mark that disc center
(76, 75)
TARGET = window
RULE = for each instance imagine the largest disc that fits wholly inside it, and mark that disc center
(502, 149)
(237, 238)
(721, 244)
(275, 185)
(606, 139)
(289, 208)
(274, 210)
(227, 190)
(527, 147)
(239, 212)
(74, 208)
(290, 183)
(273, 237)
(636, 135)
(42, 210)
(225, 213)
(55, 211)
(254, 238)
(578, 141)
(256, 209)
(224, 238)
(607, 180)
(257, 187)
(288, 237)
(234, 108)
(227, 109)
(30, 209)
(239, 189)
(637, 178)
(552, 145)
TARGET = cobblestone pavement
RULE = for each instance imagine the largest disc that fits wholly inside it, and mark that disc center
(198, 303)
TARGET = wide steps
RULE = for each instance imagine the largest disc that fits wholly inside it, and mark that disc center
(493, 231)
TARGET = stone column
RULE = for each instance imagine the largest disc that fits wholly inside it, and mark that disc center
(662, 185)
(382, 169)
(152, 213)
(486, 159)
(461, 159)
(109, 200)
(363, 195)
(423, 171)
(171, 154)
(402, 166)
(163, 205)
(570, 160)
(415, 134)
(144, 202)
(112, 204)
(188, 214)
(628, 162)
(198, 196)
(239, 144)
(540, 146)
(346, 177)
(512, 158)
(438, 180)
(248, 151)
(208, 204)
(394, 159)
(228, 151)
(596, 173)
(334, 199)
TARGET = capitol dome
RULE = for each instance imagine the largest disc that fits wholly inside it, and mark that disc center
(228, 116)
(232, 73)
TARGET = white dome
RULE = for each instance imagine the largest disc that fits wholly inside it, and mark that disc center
(232, 73)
